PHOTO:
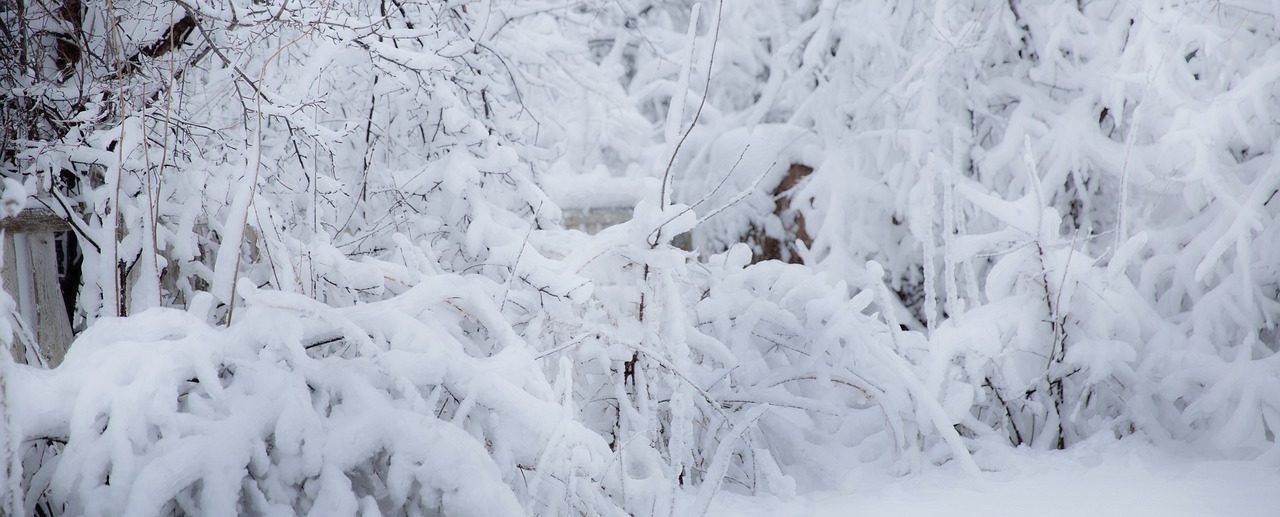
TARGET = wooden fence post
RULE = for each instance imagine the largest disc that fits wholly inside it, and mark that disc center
(31, 278)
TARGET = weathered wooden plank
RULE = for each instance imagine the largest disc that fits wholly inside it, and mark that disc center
(10, 276)
(31, 278)
(35, 220)
(52, 325)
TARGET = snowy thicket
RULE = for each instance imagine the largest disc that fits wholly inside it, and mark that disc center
(1074, 200)
(322, 275)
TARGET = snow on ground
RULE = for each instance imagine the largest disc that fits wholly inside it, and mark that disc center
(1118, 480)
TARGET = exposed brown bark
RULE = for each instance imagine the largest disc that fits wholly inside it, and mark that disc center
(172, 38)
(68, 52)
(792, 221)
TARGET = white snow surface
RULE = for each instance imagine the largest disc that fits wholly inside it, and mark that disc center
(1125, 479)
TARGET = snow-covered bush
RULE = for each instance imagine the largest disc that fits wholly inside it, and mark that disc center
(1134, 140)
(300, 408)
(321, 275)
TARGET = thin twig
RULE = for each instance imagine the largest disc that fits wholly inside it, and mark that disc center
(706, 91)
(656, 234)
(524, 243)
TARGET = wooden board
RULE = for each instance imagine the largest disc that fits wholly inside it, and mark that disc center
(31, 277)
(34, 220)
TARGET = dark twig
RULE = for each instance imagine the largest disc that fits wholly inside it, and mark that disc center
(706, 91)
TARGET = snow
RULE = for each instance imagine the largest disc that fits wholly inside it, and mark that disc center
(1121, 480)
(13, 198)
(326, 268)
(584, 191)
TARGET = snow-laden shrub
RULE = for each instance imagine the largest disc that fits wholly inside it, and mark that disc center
(1142, 133)
(445, 399)
(300, 408)
(620, 377)
(717, 374)
(1032, 222)
(284, 144)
